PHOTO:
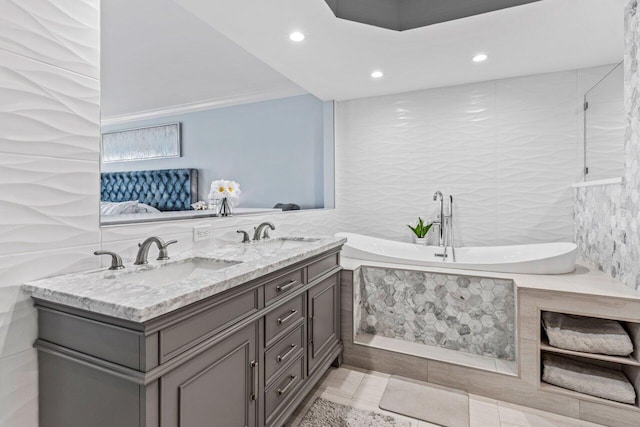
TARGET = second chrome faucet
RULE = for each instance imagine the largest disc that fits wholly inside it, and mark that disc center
(143, 250)
(260, 232)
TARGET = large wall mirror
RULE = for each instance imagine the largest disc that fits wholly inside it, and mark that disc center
(184, 107)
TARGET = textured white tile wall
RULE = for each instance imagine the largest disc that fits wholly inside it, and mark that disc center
(47, 111)
(49, 145)
(507, 150)
(64, 33)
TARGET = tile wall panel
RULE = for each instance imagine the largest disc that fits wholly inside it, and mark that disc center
(49, 150)
(507, 150)
(47, 203)
(64, 33)
(19, 390)
(17, 317)
(539, 91)
(47, 111)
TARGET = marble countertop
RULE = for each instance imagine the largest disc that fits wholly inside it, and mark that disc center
(584, 280)
(109, 293)
(107, 220)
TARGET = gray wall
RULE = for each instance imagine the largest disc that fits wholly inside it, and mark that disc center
(274, 149)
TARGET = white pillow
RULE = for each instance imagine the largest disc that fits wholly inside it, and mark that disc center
(144, 208)
(118, 208)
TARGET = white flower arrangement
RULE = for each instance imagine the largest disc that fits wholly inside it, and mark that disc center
(223, 189)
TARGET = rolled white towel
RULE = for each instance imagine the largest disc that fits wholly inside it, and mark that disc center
(587, 378)
(587, 334)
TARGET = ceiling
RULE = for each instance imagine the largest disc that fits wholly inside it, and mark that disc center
(156, 55)
(337, 57)
(407, 14)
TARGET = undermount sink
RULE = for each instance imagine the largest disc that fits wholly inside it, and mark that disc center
(173, 272)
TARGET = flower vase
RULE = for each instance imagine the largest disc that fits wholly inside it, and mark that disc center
(225, 208)
(420, 241)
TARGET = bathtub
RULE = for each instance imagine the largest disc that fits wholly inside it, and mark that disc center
(543, 258)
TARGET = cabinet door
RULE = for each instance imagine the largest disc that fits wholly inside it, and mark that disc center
(323, 319)
(217, 388)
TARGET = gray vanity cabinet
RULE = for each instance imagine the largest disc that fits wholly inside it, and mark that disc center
(323, 320)
(245, 357)
(217, 388)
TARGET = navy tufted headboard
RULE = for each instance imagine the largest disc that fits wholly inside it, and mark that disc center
(166, 190)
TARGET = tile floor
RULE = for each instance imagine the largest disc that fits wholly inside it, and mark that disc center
(363, 390)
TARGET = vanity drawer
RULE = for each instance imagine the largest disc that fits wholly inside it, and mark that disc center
(322, 266)
(283, 388)
(282, 285)
(283, 319)
(206, 323)
(283, 352)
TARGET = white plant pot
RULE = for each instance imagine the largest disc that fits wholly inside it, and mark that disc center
(420, 240)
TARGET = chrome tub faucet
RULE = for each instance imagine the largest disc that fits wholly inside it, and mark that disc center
(445, 227)
(439, 222)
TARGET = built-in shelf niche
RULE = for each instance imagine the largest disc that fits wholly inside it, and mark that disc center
(630, 365)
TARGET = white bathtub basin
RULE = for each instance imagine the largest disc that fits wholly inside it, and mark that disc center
(543, 258)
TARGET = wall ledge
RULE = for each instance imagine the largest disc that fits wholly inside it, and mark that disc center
(609, 181)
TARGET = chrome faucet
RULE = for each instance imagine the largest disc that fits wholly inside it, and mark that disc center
(116, 260)
(143, 250)
(245, 236)
(445, 225)
(258, 234)
(449, 238)
(440, 221)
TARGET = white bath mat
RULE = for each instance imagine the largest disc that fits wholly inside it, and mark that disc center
(324, 413)
(428, 402)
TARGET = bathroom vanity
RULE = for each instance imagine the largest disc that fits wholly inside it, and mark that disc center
(240, 346)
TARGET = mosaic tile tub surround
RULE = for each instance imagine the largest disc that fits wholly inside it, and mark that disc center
(474, 315)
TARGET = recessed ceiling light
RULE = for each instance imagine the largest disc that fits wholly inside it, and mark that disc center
(296, 36)
(480, 57)
(377, 74)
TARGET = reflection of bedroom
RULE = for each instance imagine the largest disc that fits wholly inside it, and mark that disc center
(164, 147)
(248, 144)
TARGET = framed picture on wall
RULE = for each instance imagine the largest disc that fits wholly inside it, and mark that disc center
(146, 143)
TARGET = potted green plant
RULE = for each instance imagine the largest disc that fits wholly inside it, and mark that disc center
(420, 231)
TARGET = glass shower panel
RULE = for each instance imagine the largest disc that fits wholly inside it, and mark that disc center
(604, 119)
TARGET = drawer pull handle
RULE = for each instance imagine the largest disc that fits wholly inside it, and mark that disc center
(292, 379)
(284, 288)
(282, 357)
(312, 326)
(285, 319)
(255, 376)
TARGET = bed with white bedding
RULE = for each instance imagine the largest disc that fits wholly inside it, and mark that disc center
(148, 192)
